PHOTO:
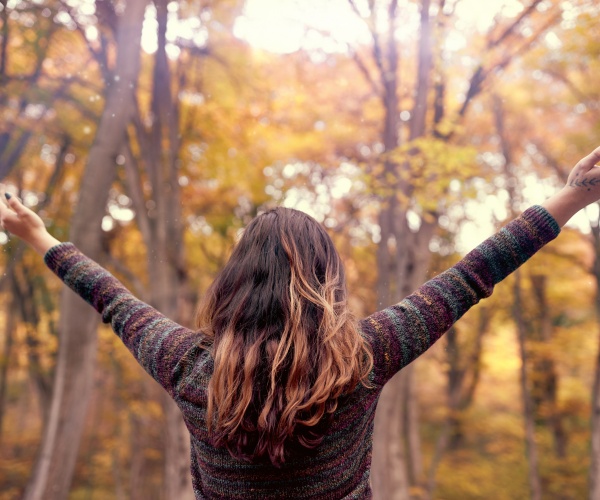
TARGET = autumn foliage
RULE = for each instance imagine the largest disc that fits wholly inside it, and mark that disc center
(410, 142)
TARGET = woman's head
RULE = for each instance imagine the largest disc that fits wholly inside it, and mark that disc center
(285, 346)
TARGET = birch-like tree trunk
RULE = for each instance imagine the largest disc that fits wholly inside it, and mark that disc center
(72, 387)
(463, 378)
(162, 231)
(545, 374)
(403, 255)
(533, 473)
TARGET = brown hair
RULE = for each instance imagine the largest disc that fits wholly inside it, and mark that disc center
(285, 346)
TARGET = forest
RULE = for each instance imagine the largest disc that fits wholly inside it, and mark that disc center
(150, 132)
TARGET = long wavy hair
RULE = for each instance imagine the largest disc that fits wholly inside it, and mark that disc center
(285, 346)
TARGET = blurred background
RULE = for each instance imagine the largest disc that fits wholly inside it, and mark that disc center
(151, 133)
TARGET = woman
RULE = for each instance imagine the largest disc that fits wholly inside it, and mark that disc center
(278, 384)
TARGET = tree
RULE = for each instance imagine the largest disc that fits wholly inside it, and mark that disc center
(76, 359)
(402, 255)
(162, 230)
(571, 82)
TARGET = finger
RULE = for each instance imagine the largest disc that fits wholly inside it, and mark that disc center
(14, 203)
(4, 210)
(7, 216)
(3, 192)
(591, 160)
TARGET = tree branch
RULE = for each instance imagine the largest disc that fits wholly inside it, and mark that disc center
(366, 73)
(510, 29)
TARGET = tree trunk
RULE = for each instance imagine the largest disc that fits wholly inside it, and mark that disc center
(162, 231)
(403, 255)
(535, 483)
(53, 471)
(413, 258)
(389, 475)
(23, 292)
(136, 478)
(594, 473)
(545, 375)
(412, 432)
(5, 357)
(462, 382)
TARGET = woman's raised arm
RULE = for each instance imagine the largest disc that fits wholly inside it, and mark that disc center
(402, 332)
(163, 347)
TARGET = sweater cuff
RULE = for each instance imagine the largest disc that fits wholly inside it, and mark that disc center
(542, 219)
(58, 254)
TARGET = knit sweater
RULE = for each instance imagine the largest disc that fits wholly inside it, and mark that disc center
(340, 466)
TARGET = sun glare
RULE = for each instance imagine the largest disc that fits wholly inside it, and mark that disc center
(286, 26)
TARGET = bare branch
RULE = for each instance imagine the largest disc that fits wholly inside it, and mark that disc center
(20, 247)
(378, 54)
(7, 164)
(419, 111)
(511, 28)
(135, 190)
(551, 160)
(568, 83)
(480, 74)
(355, 8)
(366, 73)
(527, 44)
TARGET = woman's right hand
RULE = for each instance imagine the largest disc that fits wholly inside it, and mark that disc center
(585, 178)
(581, 189)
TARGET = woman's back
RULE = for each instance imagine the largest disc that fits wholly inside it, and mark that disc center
(338, 468)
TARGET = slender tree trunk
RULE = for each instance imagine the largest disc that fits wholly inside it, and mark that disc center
(9, 328)
(463, 378)
(594, 472)
(390, 475)
(535, 483)
(545, 373)
(178, 482)
(413, 258)
(405, 256)
(454, 386)
(53, 472)
(136, 450)
(162, 230)
(412, 433)
(23, 291)
(389, 482)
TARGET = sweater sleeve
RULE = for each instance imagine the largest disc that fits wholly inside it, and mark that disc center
(401, 333)
(158, 344)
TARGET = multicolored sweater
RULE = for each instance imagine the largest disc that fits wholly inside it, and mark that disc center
(340, 466)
